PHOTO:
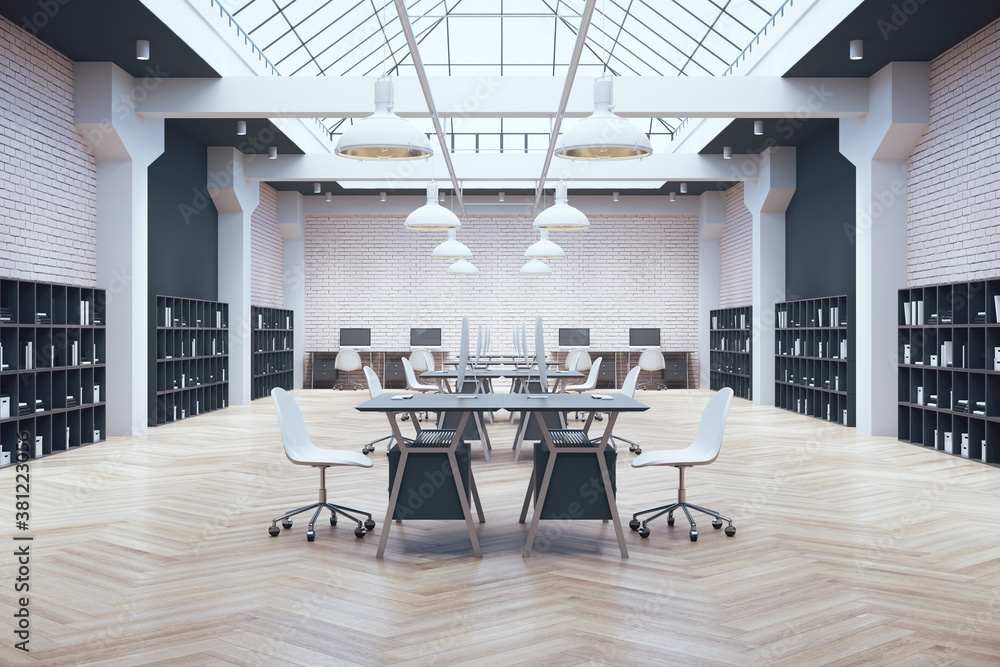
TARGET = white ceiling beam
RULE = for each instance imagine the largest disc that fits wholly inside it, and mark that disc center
(504, 97)
(513, 167)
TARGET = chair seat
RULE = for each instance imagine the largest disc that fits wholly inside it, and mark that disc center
(330, 457)
(676, 457)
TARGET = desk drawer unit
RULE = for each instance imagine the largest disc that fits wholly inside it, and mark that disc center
(676, 372)
(428, 488)
(576, 490)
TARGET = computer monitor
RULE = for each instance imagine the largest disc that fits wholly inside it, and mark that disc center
(355, 338)
(423, 337)
(574, 337)
(644, 337)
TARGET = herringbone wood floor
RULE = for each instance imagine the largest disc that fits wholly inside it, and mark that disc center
(850, 550)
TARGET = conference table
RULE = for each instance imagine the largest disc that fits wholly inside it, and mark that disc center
(556, 442)
(482, 375)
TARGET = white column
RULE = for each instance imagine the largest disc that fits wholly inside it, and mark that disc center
(767, 198)
(879, 145)
(711, 224)
(124, 145)
(235, 198)
(292, 223)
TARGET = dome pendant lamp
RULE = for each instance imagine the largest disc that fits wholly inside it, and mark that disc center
(384, 135)
(535, 267)
(544, 248)
(603, 135)
(452, 248)
(462, 267)
(561, 215)
(432, 215)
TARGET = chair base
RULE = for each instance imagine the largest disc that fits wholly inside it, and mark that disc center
(349, 383)
(286, 522)
(656, 384)
(669, 510)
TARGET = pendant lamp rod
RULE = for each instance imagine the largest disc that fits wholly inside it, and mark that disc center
(574, 62)
(418, 65)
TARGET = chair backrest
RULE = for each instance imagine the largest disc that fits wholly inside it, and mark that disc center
(411, 378)
(595, 368)
(628, 386)
(571, 358)
(652, 360)
(418, 361)
(583, 361)
(374, 386)
(294, 435)
(708, 439)
(348, 360)
(428, 359)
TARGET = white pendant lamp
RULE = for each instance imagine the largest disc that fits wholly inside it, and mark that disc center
(603, 135)
(535, 267)
(462, 267)
(432, 215)
(543, 248)
(452, 248)
(561, 215)
(384, 135)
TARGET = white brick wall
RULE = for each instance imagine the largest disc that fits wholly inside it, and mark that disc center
(952, 208)
(624, 272)
(267, 252)
(48, 194)
(736, 252)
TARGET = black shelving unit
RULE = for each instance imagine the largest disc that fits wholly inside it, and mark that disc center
(730, 351)
(814, 358)
(273, 359)
(190, 352)
(52, 367)
(949, 368)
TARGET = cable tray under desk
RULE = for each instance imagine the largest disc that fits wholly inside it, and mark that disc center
(429, 438)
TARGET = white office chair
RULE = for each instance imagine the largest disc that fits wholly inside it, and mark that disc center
(704, 450)
(652, 360)
(347, 360)
(589, 383)
(571, 360)
(301, 451)
(375, 389)
(415, 385)
(628, 389)
(419, 361)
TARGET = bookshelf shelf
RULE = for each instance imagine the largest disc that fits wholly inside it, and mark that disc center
(273, 356)
(189, 354)
(814, 358)
(52, 371)
(949, 368)
(730, 350)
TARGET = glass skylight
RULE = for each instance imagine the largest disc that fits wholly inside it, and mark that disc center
(503, 37)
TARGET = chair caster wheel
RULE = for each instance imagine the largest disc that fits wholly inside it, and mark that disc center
(670, 520)
(694, 535)
(644, 532)
(637, 450)
(286, 524)
(359, 532)
(599, 418)
(717, 524)
(310, 535)
(634, 524)
(333, 519)
(369, 525)
(367, 450)
(404, 418)
(273, 531)
(730, 531)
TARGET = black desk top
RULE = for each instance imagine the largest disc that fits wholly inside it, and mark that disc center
(509, 402)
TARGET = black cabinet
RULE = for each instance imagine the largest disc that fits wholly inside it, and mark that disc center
(730, 350)
(949, 368)
(576, 490)
(428, 490)
(273, 350)
(189, 354)
(814, 358)
(53, 347)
